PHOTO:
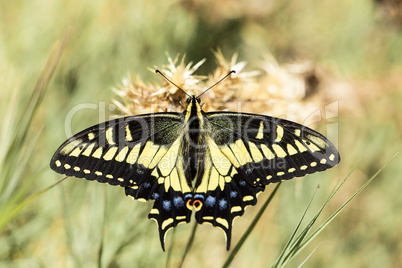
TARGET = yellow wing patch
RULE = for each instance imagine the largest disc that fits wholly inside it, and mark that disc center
(122, 154)
(89, 150)
(260, 133)
(278, 150)
(219, 168)
(168, 163)
(109, 136)
(133, 155)
(267, 152)
(279, 133)
(70, 146)
(77, 151)
(98, 153)
(148, 154)
(230, 155)
(109, 155)
(255, 152)
(240, 151)
(128, 133)
(320, 142)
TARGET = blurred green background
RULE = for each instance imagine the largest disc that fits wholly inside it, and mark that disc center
(360, 42)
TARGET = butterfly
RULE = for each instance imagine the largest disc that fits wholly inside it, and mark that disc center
(213, 163)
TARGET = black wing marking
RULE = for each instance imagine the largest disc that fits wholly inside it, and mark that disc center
(267, 149)
(140, 153)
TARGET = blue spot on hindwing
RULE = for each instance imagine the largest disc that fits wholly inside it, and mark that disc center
(242, 183)
(210, 201)
(178, 202)
(233, 194)
(223, 204)
(155, 196)
(199, 196)
(147, 185)
(248, 171)
(167, 205)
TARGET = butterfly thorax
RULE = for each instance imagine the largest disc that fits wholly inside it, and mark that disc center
(194, 141)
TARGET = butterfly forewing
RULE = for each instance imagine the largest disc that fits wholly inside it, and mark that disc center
(119, 151)
(267, 149)
(140, 153)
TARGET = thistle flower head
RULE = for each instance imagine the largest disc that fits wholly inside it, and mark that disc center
(290, 91)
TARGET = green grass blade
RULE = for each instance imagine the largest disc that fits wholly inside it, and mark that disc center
(18, 203)
(290, 244)
(329, 220)
(308, 257)
(301, 241)
(16, 155)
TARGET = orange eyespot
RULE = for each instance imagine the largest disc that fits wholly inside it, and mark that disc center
(189, 204)
(197, 204)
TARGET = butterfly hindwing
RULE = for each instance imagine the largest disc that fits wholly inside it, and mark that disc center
(140, 153)
(228, 200)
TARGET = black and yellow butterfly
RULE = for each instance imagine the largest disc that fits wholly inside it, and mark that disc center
(213, 162)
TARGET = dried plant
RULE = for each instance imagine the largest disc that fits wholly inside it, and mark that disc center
(291, 91)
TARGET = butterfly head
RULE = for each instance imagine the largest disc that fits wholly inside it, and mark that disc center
(193, 99)
(194, 106)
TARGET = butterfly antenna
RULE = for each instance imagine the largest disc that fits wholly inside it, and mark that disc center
(231, 72)
(164, 76)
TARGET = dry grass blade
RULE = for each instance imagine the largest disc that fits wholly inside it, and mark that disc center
(13, 187)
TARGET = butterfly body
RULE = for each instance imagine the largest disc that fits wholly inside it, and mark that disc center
(212, 163)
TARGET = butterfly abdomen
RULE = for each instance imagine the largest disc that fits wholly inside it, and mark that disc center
(194, 144)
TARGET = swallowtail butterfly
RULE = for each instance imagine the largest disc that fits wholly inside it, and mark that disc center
(214, 163)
